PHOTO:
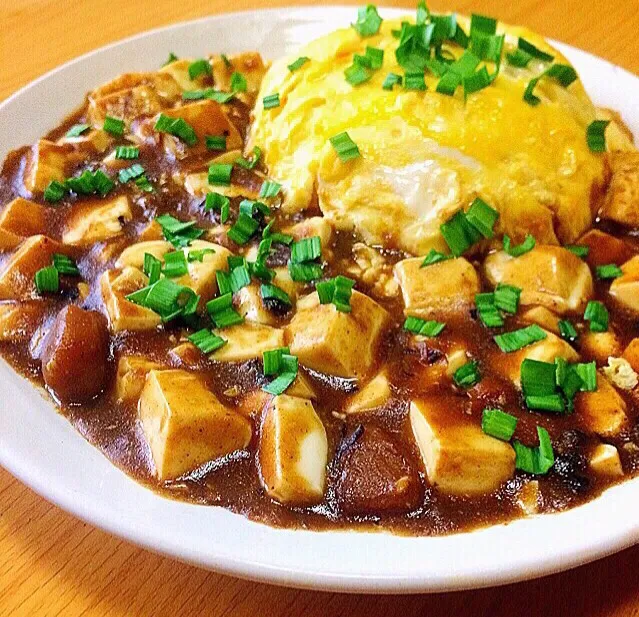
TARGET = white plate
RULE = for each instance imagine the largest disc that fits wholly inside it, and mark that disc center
(41, 449)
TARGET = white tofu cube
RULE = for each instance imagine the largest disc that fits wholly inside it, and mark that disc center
(448, 286)
(251, 307)
(20, 320)
(133, 255)
(23, 218)
(605, 461)
(185, 424)
(247, 341)
(115, 285)
(131, 375)
(625, 289)
(374, 394)
(337, 343)
(293, 451)
(97, 220)
(602, 412)
(549, 276)
(460, 459)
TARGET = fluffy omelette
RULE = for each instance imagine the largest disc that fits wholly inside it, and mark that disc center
(426, 155)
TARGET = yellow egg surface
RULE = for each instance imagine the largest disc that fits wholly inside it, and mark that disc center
(426, 155)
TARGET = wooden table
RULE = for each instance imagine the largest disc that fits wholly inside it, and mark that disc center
(52, 564)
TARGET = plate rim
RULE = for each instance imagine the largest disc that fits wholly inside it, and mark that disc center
(255, 570)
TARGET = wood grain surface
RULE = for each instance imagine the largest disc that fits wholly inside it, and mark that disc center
(52, 564)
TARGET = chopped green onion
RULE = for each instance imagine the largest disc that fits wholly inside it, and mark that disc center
(562, 73)
(392, 79)
(243, 229)
(487, 310)
(507, 298)
(227, 318)
(579, 250)
(609, 271)
(538, 460)
(238, 82)
(368, 21)
(520, 249)
(220, 174)
(305, 272)
(588, 374)
(271, 101)
(482, 24)
(272, 360)
(567, 331)
(240, 277)
(535, 52)
(414, 81)
(215, 142)
(88, 183)
(223, 280)
(518, 339)
(448, 83)
(172, 58)
(298, 64)
(488, 47)
(127, 152)
(152, 268)
(76, 130)
(227, 62)
(467, 375)
(199, 254)
(199, 67)
(496, 423)
(306, 249)
(597, 314)
(269, 189)
(459, 234)
(65, 265)
(546, 402)
(287, 372)
(220, 97)
(206, 341)
(114, 126)
(179, 234)
(345, 147)
(482, 217)
(272, 292)
(130, 173)
(166, 298)
(47, 280)
(178, 127)
(250, 163)
(143, 184)
(217, 201)
(477, 81)
(537, 378)
(221, 311)
(175, 264)
(103, 184)
(54, 192)
(338, 291)
(596, 135)
(434, 257)
(519, 58)
(357, 74)
(422, 327)
(375, 56)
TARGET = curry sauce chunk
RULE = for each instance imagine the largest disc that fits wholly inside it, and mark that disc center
(185, 424)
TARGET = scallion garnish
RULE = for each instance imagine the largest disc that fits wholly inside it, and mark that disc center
(199, 67)
(65, 265)
(520, 249)
(178, 127)
(88, 183)
(414, 81)
(588, 374)
(271, 101)
(199, 254)
(518, 339)
(596, 135)
(76, 130)
(608, 271)
(597, 314)
(488, 311)
(368, 21)
(269, 189)
(496, 423)
(537, 378)
(47, 280)
(579, 250)
(434, 257)
(240, 278)
(306, 249)
(298, 64)
(467, 375)
(238, 82)
(392, 80)
(537, 460)
(482, 217)
(206, 341)
(459, 234)
(273, 292)
(357, 74)
(519, 58)
(178, 233)
(305, 272)
(114, 126)
(166, 298)
(561, 73)
(152, 267)
(222, 312)
(243, 229)
(285, 366)
(252, 160)
(130, 173)
(215, 142)
(337, 291)
(218, 202)
(535, 52)
(220, 174)
(54, 192)
(422, 327)
(172, 58)
(127, 152)
(345, 147)
(567, 331)
(175, 264)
